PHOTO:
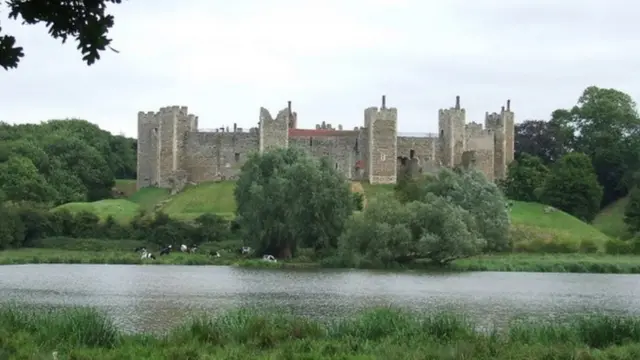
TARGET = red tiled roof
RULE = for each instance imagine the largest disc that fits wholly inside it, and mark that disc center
(320, 132)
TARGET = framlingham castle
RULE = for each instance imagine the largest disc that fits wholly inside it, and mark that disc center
(172, 151)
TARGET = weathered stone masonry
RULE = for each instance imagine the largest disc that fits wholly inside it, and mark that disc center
(172, 151)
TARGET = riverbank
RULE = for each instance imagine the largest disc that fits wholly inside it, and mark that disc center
(54, 256)
(564, 263)
(81, 333)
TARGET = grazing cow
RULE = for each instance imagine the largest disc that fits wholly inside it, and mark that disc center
(146, 255)
(165, 251)
(184, 248)
(193, 249)
(246, 250)
(139, 249)
(269, 258)
(214, 253)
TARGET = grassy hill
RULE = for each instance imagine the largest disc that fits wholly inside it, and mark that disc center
(148, 198)
(126, 186)
(208, 197)
(530, 221)
(122, 210)
(611, 220)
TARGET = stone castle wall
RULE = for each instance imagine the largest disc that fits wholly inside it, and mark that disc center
(172, 151)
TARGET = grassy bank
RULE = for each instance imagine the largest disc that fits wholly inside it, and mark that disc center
(54, 256)
(83, 252)
(573, 263)
(375, 334)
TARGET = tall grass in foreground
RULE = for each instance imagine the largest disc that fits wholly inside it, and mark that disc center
(83, 333)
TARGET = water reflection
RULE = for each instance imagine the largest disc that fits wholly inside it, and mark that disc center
(158, 297)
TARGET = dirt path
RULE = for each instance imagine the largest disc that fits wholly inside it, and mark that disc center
(357, 187)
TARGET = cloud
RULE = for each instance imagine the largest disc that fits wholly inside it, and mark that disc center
(331, 58)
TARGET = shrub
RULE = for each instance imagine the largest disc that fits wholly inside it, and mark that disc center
(632, 210)
(588, 246)
(618, 247)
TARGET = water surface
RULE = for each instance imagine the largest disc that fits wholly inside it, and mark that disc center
(156, 297)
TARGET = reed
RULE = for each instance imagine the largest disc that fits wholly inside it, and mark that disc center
(82, 333)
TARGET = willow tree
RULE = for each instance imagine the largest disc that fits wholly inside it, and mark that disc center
(286, 199)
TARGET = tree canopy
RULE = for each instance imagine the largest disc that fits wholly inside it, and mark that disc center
(453, 215)
(287, 199)
(85, 21)
(573, 187)
(604, 125)
(61, 161)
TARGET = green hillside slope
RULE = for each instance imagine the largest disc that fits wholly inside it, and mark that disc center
(532, 222)
(611, 220)
(122, 210)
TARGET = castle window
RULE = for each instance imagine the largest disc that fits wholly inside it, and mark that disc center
(310, 141)
(356, 147)
(441, 133)
(412, 154)
(382, 157)
(237, 157)
(155, 131)
(336, 166)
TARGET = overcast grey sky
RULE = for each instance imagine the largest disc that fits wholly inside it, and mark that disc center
(331, 58)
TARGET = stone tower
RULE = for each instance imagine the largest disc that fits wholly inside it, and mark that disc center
(161, 145)
(382, 126)
(451, 123)
(148, 127)
(503, 126)
(274, 133)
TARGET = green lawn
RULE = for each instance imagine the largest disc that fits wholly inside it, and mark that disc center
(148, 198)
(611, 220)
(209, 197)
(122, 210)
(126, 186)
(530, 218)
(373, 191)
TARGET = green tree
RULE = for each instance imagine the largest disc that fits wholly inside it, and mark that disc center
(524, 177)
(85, 21)
(12, 230)
(605, 123)
(21, 181)
(470, 190)
(632, 210)
(547, 140)
(389, 232)
(286, 199)
(84, 161)
(76, 158)
(573, 187)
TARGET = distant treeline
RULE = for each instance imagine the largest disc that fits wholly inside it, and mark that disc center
(62, 161)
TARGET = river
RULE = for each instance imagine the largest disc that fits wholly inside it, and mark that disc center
(156, 297)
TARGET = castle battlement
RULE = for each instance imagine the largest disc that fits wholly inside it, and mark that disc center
(170, 145)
